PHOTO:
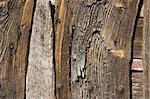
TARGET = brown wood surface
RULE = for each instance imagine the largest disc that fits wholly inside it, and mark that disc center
(137, 85)
(101, 48)
(91, 49)
(137, 64)
(146, 49)
(62, 22)
(15, 25)
(138, 39)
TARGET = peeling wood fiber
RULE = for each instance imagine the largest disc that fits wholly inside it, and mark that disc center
(101, 48)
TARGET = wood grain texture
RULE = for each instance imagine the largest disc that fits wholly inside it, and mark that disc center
(62, 50)
(137, 62)
(146, 48)
(101, 48)
(138, 39)
(40, 81)
(137, 85)
(15, 25)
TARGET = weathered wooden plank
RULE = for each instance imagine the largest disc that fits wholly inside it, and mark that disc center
(62, 51)
(9, 35)
(40, 82)
(15, 24)
(137, 85)
(137, 64)
(101, 48)
(138, 39)
(22, 50)
(146, 49)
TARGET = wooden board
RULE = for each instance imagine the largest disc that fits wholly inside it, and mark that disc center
(137, 85)
(15, 25)
(40, 81)
(138, 39)
(62, 50)
(100, 49)
(146, 49)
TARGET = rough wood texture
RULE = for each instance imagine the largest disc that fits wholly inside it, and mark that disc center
(137, 85)
(62, 50)
(146, 47)
(138, 39)
(101, 48)
(15, 25)
(40, 82)
(137, 79)
(137, 64)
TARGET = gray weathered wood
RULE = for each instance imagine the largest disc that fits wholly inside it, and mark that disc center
(101, 48)
(40, 82)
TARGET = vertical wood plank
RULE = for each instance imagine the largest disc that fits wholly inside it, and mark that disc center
(9, 35)
(22, 50)
(146, 48)
(40, 82)
(101, 48)
(62, 50)
(137, 85)
(15, 25)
